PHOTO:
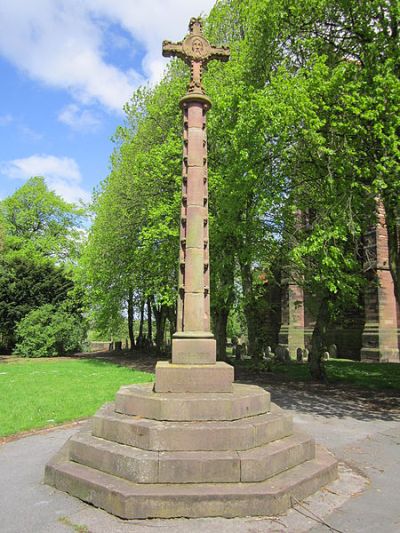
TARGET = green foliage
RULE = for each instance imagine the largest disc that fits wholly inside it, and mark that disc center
(137, 209)
(49, 331)
(40, 224)
(40, 239)
(302, 137)
(26, 284)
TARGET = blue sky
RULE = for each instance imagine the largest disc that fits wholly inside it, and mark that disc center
(66, 69)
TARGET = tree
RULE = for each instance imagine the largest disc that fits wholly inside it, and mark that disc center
(137, 212)
(26, 284)
(312, 113)
(49, 331)
(41, 240)
(38, 222)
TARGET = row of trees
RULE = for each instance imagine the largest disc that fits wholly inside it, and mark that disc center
(304, 125)
(305, 120)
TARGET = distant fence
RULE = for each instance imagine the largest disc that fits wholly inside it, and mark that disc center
(97, 346)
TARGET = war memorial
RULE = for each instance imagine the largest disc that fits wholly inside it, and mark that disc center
(194, 443)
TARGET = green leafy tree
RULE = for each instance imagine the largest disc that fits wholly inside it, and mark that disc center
(38, 222)
(26, 284)
(309, 114)
(132, 249)
(49, 331)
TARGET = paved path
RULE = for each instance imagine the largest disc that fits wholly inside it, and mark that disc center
(364, 436)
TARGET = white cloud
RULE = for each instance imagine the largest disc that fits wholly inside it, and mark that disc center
(150, 22)
(61, 42)
(5, 120)
(79, 119)
(62, 174)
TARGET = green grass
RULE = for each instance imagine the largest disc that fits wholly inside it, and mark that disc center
(38, 393)
(377, 376)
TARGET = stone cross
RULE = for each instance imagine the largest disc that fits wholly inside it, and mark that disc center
(193, 342)
(196, 51)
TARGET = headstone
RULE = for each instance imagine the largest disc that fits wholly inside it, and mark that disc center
(282, 354)
(306, 355)
(333, 350)
(268, 354)
(325, 355)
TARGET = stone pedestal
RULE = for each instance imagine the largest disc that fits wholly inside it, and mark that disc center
(380, 337)
(171, 377)
(166, 455)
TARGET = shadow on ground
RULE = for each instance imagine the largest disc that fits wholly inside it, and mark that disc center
(310, 398)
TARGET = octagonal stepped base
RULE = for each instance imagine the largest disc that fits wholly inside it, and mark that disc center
(156, 435)
(165, 500)
(142, 466)
(189, 454)
(141, 400)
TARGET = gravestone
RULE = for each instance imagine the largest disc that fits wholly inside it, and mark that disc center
(306, 355)
(282, 354)
(194, 444)
(325, 355)
(299, 355)
(333, 351)
(268, 354)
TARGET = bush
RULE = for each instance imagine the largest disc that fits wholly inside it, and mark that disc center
(49, 331)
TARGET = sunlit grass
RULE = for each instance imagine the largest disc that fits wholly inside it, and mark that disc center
(37, 393)
(378, 376)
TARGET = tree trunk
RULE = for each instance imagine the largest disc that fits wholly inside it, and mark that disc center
(172, 320)
(249, 310)
(130, 320)
(319, 342)
(223, 296)
(140, 336)
(149, 324)
(221, 322)
(160, 315)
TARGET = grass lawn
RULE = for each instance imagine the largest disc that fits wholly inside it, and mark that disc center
(38, 393)
(378, 376)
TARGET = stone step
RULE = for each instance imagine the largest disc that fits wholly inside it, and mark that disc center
(170, 377)
(243, 401)
(133, 500)
(265, 461)
(142, 466)
(133, 464)
(158, 435)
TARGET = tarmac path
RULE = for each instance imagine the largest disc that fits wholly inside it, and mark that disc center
(363, 430)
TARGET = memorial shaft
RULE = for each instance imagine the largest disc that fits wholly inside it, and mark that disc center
(193, 342)
(194, 301)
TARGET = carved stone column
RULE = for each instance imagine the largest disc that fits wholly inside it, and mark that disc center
(193, 367)
(194, 342)
(380, 341)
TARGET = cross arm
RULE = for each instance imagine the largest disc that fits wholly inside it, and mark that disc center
(170, 49)
(220, 54)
